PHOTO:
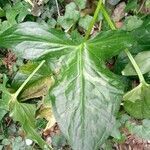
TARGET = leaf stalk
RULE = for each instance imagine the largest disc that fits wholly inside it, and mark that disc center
(93, 21)
(27, 80)
(132, 60)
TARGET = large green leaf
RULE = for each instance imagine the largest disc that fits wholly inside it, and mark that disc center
(31, 40)
(86, 95)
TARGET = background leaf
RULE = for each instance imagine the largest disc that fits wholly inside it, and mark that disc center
(85, 21)
(71, 16)
(137, 102)
(25, 114)
(131, 23)
(142, 131)
(81, 3)
(143, 61)
(113, 2)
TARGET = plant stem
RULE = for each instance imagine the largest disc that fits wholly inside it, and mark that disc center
(57, 7)
(108, 19)
(136, 67)
(28, 79)
(94, 20)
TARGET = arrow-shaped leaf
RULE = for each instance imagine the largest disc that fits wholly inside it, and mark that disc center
(86, 95)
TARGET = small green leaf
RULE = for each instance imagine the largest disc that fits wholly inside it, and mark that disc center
(17, 13)
(137, 101)
(85, 21)
(147, 4)
(81, 3)
(6, 142)
(2, 12)
(131, 23)
(58, 141)
(143, 61)
(142, 131)
(70, 18)
(142, 35)
(24, 72)
(132, 5)
(18, 143)
(2, 113)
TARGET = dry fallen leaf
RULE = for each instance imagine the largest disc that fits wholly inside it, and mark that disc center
(46, 113)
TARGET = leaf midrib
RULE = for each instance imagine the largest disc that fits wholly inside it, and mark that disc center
(82, 100)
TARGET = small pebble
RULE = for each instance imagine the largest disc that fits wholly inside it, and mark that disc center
(29, 142)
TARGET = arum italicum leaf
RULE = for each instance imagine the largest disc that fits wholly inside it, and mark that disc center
(86, 95)
(25, 114)
(137, 101)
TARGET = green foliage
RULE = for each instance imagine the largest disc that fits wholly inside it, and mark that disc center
(74, 16)
(70, 18)
(147, 4)
(68, 52)
(25, 114)
(143, 61)
(58, 141)
(85, 21)
(22, 112)
(131, 23)
(81, 3)
(38, 86)
(3, 113)
(86, 95)
(17, 143)
(89, 78)
(132, 6)
(142, 131)
(137, 102)
(14, 14)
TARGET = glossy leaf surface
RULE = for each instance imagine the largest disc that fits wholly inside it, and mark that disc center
(86, 94)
